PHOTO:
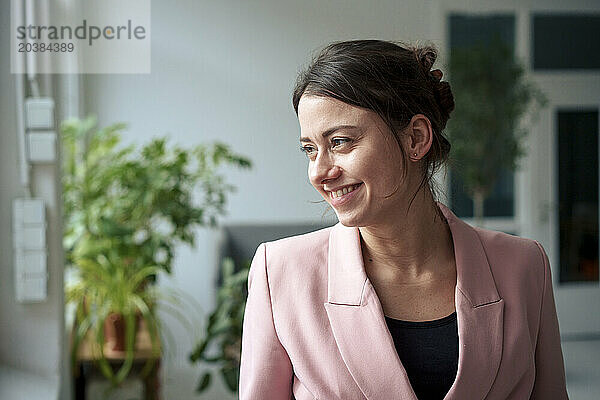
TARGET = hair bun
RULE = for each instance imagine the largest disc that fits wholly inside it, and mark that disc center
(426, 56)
(444, 97)
(437, 74)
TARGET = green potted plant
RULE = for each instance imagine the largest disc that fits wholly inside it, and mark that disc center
(124, 213)
(485, 130)
(224, 328)
(107, 292)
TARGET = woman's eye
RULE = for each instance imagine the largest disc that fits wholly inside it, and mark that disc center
(310, 150)
(342, 140)
(307, 150)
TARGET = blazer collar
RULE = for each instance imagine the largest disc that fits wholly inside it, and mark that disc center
(361, 333)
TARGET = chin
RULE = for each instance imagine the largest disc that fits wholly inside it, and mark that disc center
(348, 220)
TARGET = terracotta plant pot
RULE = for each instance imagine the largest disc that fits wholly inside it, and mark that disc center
(114, 331)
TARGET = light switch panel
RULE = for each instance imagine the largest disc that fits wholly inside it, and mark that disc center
(31, 290)
(30, 257)
(34, 237)
(39, 113)
(41, 147)
(28, 211)
(30, 264)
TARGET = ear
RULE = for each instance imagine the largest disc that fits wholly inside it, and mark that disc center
(418, 137)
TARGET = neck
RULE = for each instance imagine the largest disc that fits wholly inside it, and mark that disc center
(412, 247)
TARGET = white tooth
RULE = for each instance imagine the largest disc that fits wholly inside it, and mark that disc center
(340, 193)
(351, 188)
(345, 190)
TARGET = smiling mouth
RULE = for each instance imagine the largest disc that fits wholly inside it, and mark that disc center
(343, 191)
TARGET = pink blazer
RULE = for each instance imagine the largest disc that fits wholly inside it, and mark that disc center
(314, 327)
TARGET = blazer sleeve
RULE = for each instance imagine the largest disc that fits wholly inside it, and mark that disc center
(549, 365)
(265, 368)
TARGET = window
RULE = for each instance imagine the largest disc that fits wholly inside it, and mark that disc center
(566, 42)
(578, 194)
(500, 203)
(466, 30)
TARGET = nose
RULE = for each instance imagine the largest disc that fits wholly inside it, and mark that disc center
(322, 169)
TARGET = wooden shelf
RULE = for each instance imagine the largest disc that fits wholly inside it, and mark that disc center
(88, 354)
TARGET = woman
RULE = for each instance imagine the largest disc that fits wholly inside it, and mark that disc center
(400, 299)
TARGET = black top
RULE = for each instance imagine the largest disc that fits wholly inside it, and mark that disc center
(428, 351)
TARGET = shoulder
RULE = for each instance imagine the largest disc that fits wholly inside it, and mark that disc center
(507, 244)
(517, 263)
(298, 247)
(297, 265)
(294, 251)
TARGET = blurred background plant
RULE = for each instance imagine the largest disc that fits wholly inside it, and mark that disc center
(125, 209)
(139, 205)
(110, 302)
(224, 328)
(486, 130)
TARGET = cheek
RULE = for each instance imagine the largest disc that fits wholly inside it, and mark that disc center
(384, 177)
(374, 167)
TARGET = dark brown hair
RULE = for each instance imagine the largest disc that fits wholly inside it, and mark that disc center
(391, 79)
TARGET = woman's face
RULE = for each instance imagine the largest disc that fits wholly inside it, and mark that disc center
(352, 149)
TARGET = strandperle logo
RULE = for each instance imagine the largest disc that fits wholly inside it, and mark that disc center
(91, 37)
(84, 31)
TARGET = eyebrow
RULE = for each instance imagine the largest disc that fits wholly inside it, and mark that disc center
(329, 131)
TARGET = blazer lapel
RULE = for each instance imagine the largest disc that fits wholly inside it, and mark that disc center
(480, 314)
(360, 331)
(358, 322)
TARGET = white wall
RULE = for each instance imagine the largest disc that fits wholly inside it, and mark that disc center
(225, 70)
(31, 335)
